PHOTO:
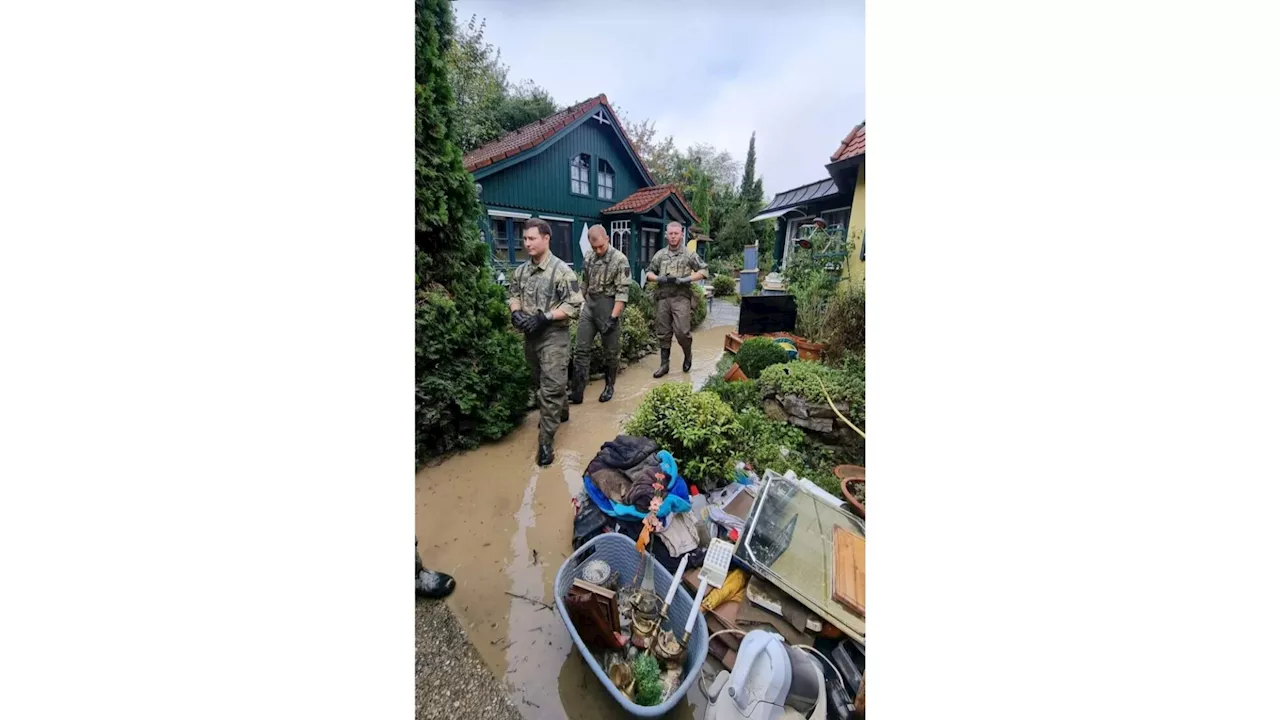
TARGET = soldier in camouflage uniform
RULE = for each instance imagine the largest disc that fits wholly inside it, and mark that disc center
(606, 281)
(544, 296)
(675, 268)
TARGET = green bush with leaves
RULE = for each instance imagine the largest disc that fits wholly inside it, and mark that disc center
(697, 428)
(806, 379)
(759, 353)
(844, 324)
(724, 286)
(472, 381)
(741, 395)
(699, 308)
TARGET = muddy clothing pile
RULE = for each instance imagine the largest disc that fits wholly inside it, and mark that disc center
(629, 479)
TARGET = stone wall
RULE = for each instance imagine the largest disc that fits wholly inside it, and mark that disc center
(816, 418)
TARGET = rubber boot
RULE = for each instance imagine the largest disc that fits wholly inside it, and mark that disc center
(610, 375)
(665, 367)
(546, 455)
(428, 583)
(688, 357)
(577, 383)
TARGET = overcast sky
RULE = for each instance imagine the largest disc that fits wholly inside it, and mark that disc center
(705, 71)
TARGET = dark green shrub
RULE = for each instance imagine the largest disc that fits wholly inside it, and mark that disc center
(699, 307)
(698, 429)
(472, 382)
(724, 286)
(759, 353)
(844, 324)
(740, 396)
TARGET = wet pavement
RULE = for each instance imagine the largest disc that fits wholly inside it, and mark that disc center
(502, 526)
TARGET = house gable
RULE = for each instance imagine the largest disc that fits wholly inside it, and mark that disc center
(541, 182)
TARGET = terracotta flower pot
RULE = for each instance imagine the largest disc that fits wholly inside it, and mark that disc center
(735, 374)
(846, 487)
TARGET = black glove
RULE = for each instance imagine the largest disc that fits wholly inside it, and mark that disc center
(519, 318)
(684, 280)
(664, 279)
(610, 325)
(535, 323)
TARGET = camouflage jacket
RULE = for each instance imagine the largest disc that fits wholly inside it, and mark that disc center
(607, 276)
(548, 285)
(682, 263)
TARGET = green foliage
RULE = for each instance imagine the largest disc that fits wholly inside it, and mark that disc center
(644, 668)
(698, 428)
(736, 234)
(725, 362)
(642, 299)
(741, 395)
(489, 104)
(725, 285)
(759, 353)
(752, 190)
(699, 308)
(844, 324)
(810, 283)
(806, 379)
(472, 382)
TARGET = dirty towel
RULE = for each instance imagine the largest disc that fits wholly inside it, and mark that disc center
(680, 534)
(612, 483)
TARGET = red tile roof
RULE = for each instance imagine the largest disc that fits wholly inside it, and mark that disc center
(645, 198)
(536, 133)
(854, 144)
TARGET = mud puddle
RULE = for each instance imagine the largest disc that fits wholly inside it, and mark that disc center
(502, 526)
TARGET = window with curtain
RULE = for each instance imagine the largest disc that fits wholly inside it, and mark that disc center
(604, 180)
(580, 175)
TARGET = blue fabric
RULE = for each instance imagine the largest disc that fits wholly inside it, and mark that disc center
(677, 499)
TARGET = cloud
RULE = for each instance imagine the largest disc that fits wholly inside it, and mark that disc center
(794, 72)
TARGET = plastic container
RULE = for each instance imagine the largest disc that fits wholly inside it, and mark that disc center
(620, 552)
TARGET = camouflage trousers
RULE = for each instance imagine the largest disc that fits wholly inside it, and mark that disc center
(675, 313)
(548, 356)
(591, 322)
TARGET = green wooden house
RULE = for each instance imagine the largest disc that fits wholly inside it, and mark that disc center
(574, 169)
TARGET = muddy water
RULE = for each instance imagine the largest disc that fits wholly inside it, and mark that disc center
(500, 524)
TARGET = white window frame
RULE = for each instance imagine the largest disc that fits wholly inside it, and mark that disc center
(620, 235)
(601, 177)
(510, 214)
(580, 175)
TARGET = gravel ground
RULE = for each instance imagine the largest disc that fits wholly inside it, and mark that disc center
(452, 682)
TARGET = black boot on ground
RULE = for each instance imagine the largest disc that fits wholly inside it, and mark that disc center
(688, 358)
(610, 376)
(434, 585)
(564, 414)
(665, 367)
(546, 455)
(577, 383)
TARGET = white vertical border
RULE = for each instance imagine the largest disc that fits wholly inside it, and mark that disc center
(1072, 381)
(206, 292)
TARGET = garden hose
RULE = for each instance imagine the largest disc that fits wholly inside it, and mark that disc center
(837, 412)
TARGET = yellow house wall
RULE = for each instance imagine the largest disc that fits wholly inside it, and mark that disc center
(855, 270)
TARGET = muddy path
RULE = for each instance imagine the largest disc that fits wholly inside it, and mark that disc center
(500, 524)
